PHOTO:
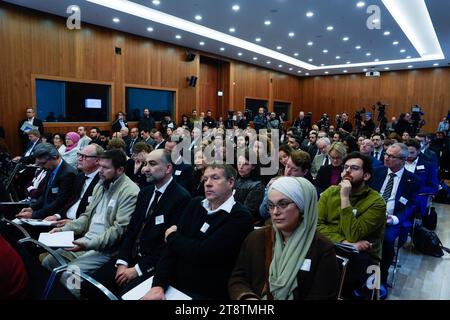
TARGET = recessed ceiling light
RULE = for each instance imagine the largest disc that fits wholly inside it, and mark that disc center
(360, 4)
(435, 64)
(255, 58)
(326, 72)
(268, 62)
(201, 43)
(156, 2)
(222, 49)
(348, 62)
(239, 54)
(338, 57)
(329, 28)
(345, 38)
(235, 7)
(178, 36)
(258, 39)
(116, 20)
(395, 43)
(410, 66)
(310, 43)
(198, 17)
(403, 50)
(279, 47)
(322, 64)
(345, 71)
(310, 60)
(280, 66)
(296, 54)
(299, 71)
(408, 57)
(376, 60)
(307, 74)
(358, 47)
(291, 34)
(150, 29)
(387, 68)
(232, 30)
(364, 70)
(267, 22)
(386, 33)
(309, 14)
(325, 51)
(290, 69)
(368, 54)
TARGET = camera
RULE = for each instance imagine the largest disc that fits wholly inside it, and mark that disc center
(416, 118)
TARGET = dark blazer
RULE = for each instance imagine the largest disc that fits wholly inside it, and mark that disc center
(323, 178)
(381, 155)
(152, 242)
(77, 188)
(184, 175)
(146, 123)
(161, 146)
(58, 193)
(31, 158)
(116, 125)
(408, 188)
(319, 283)
(37, 123)
(428, 175)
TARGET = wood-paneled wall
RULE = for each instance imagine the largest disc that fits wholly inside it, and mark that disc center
(429, 88)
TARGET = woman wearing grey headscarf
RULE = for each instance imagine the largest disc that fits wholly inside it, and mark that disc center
(288, 260)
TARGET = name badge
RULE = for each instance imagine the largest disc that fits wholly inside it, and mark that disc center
(422, 167)
(306, 266)
(355, 211)
(159, 219)
(204, 227)
(177, 172)
(403, 200)
(112, 203)
(55, 190)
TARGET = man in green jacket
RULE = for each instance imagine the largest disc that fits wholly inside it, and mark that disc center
(352, 213)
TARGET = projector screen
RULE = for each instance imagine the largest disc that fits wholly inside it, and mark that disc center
(93, 104)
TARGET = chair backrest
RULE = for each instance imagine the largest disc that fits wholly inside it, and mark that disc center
(12, 231)
(342, 263)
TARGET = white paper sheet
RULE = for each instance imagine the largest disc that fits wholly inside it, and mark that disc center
(61, 239)
(139, 291)
(38, 222)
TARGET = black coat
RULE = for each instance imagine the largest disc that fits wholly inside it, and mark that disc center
(323, 178)
(58, 193)
(24, 136)
(116, 125)
(151, 242)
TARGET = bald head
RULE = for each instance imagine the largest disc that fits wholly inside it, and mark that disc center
(366, 147)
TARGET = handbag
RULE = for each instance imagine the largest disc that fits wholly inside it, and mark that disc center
(427, 242)
(429, 221)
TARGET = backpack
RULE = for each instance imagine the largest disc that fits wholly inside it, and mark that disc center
(427, 242)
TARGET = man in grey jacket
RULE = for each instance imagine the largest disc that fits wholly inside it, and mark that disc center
(102, 225)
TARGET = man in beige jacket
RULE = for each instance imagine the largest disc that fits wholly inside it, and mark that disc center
(102, 225)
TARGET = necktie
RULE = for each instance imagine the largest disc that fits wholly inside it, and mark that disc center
(376, 155)
(388, 190)
(326, 161)
(135, 250)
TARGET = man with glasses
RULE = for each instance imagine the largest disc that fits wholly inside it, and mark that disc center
(322, 159)
(60, 177)
(399, 188)
(354, 214)
(83, 185)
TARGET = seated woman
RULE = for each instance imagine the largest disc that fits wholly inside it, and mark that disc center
(58, 142)
(198, 189)
(330, 175)
(288, 260)
(249, 189)
(135, 164)
(283, 154)
(70, 154)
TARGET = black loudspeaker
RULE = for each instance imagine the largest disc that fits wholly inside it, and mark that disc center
(192, 81)
(118, 50)
(190, 56)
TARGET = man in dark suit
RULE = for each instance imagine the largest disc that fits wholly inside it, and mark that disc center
(31, 121)
(83, 185)
(34, 137)
(378, 150)
(157, 208)
(427, 153)
(183, 173)
(59, 186)
(134, 138)
(398, 187)
(119, 123)
(159, 140)
(147, 122)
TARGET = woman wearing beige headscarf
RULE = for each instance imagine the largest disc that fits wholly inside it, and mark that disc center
(288, 260)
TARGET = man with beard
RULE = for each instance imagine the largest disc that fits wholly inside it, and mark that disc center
(157, 208)
(352, 213)
(103, 224)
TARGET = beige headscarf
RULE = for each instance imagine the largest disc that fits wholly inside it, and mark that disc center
(288, 259)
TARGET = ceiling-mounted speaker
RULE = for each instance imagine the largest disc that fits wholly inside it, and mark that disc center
(192, 81)
(190, 56)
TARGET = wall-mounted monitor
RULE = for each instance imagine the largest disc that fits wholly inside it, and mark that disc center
(93, 103)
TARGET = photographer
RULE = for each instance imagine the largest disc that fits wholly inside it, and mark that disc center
(303, 123)
(324, 122)
(345, 125)
(404, 124)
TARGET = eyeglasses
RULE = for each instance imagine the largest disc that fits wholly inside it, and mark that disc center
(352, 167)
(85, 156)
(391, 156)
(281, 205)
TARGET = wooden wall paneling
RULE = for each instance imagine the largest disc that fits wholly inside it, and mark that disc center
(208, 83)
(224, 85)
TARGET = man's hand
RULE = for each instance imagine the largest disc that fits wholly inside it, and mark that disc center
(346, 189)
(63, 222)
(51, 218)
(79, 246)
(363, 245)
(124, 275)
(25, 213)
(389, 220)
(155, 293)
(55, 230)
(169, 231)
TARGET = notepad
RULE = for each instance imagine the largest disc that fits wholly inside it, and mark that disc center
(139, 291)
(61, 239)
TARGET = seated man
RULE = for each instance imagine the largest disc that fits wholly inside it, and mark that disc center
(103, 223)
(202, 249)
(353, 213)
(57, 192)
(157, 208)
(398, 188)
(29, 154)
